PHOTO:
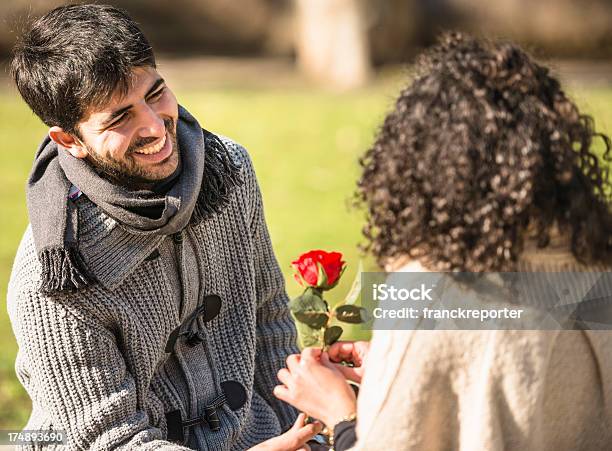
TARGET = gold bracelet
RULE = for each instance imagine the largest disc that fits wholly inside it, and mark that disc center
(351, 417)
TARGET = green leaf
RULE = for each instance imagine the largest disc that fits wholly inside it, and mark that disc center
(309, 336)
(322, 276)
(309, 301)
(310, 308)
(329, 287)
(332, 334)
(316, 320)
(351, 314)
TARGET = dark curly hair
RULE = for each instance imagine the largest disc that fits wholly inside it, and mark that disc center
(483, 147)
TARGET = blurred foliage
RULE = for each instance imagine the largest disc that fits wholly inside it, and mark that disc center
(396, 28)
(180, 26)
(562, 28)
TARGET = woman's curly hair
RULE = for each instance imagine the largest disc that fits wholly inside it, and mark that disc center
(481, 148)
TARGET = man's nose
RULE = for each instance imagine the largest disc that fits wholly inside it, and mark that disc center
(152, 124)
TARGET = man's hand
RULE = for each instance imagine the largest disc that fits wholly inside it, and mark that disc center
(354, 352)
(314, 385)
(294, 439)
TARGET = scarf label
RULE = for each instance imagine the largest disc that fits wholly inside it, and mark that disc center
(74, 193)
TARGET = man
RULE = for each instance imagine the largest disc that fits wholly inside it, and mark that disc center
(147, 303)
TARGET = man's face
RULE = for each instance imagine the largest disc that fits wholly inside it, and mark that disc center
(133, 138)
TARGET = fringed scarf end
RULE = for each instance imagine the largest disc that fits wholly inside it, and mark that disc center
(221, 176)
(63, 271)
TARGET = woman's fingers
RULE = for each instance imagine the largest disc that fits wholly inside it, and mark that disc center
(293, 361)
(284, 376)
(352, 374)
(310, 354)
(299, 421)
(282, 393)
(341, 351)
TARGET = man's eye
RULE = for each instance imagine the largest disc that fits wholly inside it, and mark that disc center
(118, 121)
(156, 95)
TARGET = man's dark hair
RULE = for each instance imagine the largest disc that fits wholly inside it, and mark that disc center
(74, 58)
(482, 147)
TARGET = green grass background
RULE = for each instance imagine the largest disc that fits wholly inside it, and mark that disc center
(304, 143)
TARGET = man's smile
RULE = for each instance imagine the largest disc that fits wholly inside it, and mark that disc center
(153, 148)
(155, 153)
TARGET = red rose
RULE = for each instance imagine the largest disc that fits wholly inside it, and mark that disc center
(319, 269)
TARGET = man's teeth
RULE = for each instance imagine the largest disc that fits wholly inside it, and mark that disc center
(152, 149)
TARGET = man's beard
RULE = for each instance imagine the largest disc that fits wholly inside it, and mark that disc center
(127, 171)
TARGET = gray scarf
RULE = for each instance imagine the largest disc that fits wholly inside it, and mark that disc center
(202, 188)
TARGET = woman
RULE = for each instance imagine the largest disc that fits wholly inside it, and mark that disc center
(484, 165)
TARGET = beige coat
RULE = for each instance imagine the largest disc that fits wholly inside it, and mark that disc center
(488, 390)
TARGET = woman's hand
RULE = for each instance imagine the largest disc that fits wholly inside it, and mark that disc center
(294, 439)
(354, 352)
(314, 385)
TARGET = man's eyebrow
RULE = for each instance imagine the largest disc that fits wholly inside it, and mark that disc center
(156, 84)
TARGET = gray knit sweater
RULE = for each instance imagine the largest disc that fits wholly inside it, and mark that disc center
(94, 362)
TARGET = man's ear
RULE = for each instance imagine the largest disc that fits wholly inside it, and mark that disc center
(69, 142)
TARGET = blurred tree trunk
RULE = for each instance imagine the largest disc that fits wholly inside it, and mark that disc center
(332, 42)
